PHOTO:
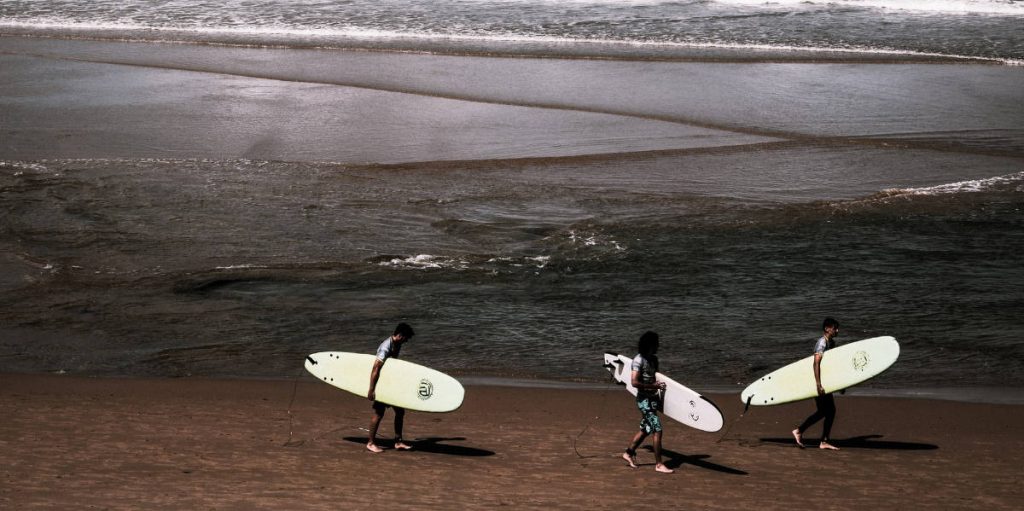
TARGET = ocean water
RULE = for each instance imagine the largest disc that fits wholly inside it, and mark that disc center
(218, 189)
(974, 29)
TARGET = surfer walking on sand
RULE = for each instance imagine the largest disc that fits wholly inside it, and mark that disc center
(825, 403)
(389, 348)
(648, 400)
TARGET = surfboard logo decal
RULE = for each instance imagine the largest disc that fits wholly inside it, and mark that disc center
(426, 389)
(694, 415)
(860, 360)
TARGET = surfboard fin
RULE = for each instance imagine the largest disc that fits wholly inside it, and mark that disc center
(311, 360)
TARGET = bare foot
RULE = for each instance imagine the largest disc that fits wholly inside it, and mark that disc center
(660, 467)
(629, 459)
(402, 446)
(374, 448)
(798, 437)
(826, 445)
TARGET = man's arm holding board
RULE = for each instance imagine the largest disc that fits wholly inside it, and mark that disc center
(374, 376)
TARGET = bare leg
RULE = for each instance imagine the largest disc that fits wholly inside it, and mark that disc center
(798, 436)
(638, 439)
(658, 465)
(829, 411)
(630, 454)
(371, 444)
(399, 425)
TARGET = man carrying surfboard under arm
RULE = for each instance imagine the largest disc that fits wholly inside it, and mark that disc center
(644, 367)
(825, 403)
(389, 348)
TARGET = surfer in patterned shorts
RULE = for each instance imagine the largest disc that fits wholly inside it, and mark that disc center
(648, 400)
(825, 403)
(390, 348)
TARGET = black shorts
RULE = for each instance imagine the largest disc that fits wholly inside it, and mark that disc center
(379, 408)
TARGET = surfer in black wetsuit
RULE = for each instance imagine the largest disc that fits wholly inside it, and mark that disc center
(825, 403)
(389, 348)
(648, 400)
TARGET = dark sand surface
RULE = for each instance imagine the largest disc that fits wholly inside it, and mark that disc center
(70, 442)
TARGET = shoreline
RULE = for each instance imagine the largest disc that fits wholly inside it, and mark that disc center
(484, 47)
(191, 443)
(1011, 396)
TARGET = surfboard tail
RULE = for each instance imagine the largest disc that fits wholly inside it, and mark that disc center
(609, 359)
(614, 364)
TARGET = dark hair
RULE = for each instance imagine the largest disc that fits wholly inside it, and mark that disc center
(404, 330)
(648, 342)
(829, 322)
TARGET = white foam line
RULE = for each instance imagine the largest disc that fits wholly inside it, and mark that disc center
(998, 7)
(242, 267)
(357, 33)
(975, 185)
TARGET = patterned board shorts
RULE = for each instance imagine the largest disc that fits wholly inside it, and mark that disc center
(649, 422)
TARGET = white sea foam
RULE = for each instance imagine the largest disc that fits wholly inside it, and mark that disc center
(428, 261)
(273, 32)
(21, 166)
(590, 239)
(519, 262)
(1001, 7)
(1012, 181)
(422, 261)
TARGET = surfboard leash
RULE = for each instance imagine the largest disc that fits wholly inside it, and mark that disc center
(734, 421)
(291, 422)
(601, 408)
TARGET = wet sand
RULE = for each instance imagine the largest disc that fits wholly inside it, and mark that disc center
(93, 99)
(70, 442)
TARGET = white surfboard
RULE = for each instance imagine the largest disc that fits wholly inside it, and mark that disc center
(404, 384)
(679, 403)
(841, 367)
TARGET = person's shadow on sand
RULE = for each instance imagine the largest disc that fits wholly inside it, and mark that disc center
(676, 460)
(432, 445)
(859, 442)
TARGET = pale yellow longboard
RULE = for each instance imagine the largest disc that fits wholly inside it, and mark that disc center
(403, 384)
(841, 367)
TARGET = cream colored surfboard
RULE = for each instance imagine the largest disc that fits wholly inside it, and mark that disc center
(679, 403)
(841, 367)
(404, 384)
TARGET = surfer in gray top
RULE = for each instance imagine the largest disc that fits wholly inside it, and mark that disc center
(389, 348)
(648, 400)
(825, 403)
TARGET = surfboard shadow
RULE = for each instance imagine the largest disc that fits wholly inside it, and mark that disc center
(676, 460)
(432, 445)
(859, 442)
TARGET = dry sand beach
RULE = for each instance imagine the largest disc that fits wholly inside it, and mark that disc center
(81, 443)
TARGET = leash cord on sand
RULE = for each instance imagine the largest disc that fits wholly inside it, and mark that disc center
(291, 423)
(737, 419)
(604, 400)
